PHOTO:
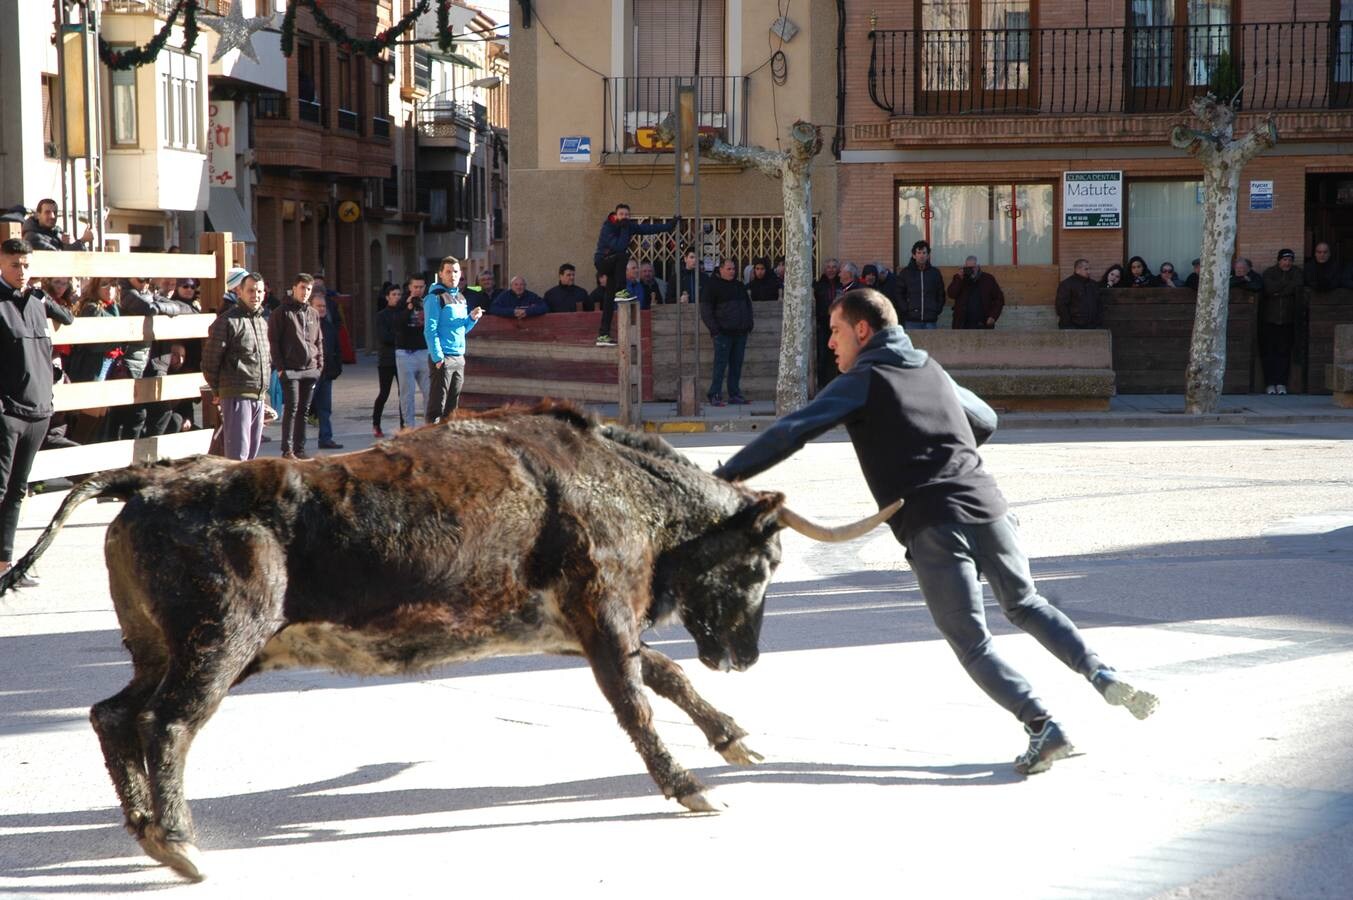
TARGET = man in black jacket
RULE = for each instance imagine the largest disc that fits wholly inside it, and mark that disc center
(916, 435)
(566, 296)
(611, 257)
(25, 386)
(726, 310)
(920, 290)
(42, 232)
(1079, 303)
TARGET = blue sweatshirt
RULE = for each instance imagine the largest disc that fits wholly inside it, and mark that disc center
(915, 433)
(445, 323)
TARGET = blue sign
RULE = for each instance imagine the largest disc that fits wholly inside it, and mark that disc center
(575, 149)
(1261, 195)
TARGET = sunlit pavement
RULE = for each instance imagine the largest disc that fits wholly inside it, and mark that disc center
(1212, 564)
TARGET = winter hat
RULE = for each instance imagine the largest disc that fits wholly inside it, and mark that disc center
(235, 277)
(868, 270)
(1286, 252)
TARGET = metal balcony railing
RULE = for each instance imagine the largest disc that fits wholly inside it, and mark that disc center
(162, 8)
(310, 111)
(380, 127)
(636, 108)
(347, 119)
(272, 106)
(1101, 71)
(441, 114)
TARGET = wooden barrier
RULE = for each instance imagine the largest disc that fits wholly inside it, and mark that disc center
(1152, 331)
(555, 355)
(1327, 312)
(210, 269)
(1339, 371)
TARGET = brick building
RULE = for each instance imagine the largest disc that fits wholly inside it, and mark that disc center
(964, 116)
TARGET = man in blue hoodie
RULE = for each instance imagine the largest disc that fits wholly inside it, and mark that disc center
(612, 254)
(446, 322)
(916, 434)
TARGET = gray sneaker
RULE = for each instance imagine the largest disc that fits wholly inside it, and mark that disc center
(1045, 747)
(1117, 692)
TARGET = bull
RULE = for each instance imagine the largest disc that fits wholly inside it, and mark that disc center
(510, 532)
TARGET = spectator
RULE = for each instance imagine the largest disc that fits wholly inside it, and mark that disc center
(920, 294)
(764, 286)
(329, 371)
(654, 290)
(779, 270)
(298, 356)
(1282, 305)
(1169, 277)
(1244, 277)
(691, 277)
(165, 287)
(135, 298)
(825, 290)
(1323, 272)
(42, 233)
(234, 278)
(25, 387)
(1113, 277)
(488, 290)
(850, 277)
(594, 299)
(411, 351)
(612, 255)
(1139, 276)
(633, 287)
(726, 310)
(155, 417)
(869, 276)
(236, 361)
(94, 362)
(175, 416)
(1192, 281)
(387, 336)
(888, 284)
(1078, 299)
(518, 302)
(978, 299)
(566, 296)
(447, 320)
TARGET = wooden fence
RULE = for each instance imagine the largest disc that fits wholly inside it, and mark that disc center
(209, 267)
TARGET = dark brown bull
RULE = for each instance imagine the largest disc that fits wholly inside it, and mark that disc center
(512, 532)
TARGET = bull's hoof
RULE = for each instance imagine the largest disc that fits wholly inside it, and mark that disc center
(739, 754)
(699, 802)
(181, 856)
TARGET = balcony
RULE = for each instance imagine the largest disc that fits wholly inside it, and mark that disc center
(1136, 75)
(636, 107)
(273, 107)
(310, 111)
(443, 121)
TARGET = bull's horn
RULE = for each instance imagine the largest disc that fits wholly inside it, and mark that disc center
(839, 533)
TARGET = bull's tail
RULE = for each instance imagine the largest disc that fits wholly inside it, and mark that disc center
(118, 484)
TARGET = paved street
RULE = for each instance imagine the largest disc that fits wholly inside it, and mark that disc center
(1212, 563)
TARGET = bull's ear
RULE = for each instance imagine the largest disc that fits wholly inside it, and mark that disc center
(765, 510)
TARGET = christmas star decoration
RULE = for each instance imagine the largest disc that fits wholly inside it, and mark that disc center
(237, 32)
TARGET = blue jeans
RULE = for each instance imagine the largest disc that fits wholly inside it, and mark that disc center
(947, 560)
(411, 367)
(909, 325)
(728, 352)
(324, 408)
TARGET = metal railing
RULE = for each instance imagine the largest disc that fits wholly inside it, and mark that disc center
(310, 111)
(637, 107)
(1077, 71)
(442, 114)
(162, 8)
(347, 119)
(380, 127)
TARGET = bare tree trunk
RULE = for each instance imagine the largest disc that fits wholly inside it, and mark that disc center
(792, 168)
(1222, 158)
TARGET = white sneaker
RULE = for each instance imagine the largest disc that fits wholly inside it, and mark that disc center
(1272, 389)
(1282, 389)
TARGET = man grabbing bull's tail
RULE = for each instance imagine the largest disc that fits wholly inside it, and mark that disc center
(916, 434)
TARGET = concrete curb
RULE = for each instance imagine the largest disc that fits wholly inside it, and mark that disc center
(1013, 421)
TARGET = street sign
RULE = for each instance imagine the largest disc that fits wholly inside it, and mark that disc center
(575, 149)
(1092, 199)
(1261, 195)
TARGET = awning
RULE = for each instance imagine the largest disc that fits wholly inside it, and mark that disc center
(226, 213)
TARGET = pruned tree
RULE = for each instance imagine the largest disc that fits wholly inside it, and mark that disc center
(792, 167)
(1222, 157)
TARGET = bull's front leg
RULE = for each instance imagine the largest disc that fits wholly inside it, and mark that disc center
(610, 639)
(667, 680)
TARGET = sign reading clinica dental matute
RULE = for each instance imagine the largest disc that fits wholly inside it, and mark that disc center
(1092, 199)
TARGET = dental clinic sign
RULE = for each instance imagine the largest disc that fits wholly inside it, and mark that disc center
(1092, 199)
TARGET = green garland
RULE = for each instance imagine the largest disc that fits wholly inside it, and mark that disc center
(369, 47)
(136, 57)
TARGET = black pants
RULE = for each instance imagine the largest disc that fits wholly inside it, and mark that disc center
(387, 378)
(613, 267)
(19, 443)
(445, 385)
(295, 402)
(1275, 351)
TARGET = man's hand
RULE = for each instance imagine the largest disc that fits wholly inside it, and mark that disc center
(476, 314)
(991, 323)
(88, 235)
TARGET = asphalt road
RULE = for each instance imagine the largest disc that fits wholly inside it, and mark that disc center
(1213, 564)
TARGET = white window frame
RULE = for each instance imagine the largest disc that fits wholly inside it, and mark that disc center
(180, 98)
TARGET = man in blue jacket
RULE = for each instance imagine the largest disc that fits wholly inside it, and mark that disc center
(446, 322)
(916, 435)
(613, 252)
(518, 302)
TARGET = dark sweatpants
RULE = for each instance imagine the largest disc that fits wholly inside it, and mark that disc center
(19, 443)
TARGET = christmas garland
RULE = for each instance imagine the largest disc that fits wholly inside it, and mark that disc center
(136, 57)
(369, 47)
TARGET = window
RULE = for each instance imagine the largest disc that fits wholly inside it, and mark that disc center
(1165, 222)
(975, 45)
(1343, 42)
(180, 80)
(422, 69)
(123, 105)
(665, 37)
(1002, 224)
(1157, 36)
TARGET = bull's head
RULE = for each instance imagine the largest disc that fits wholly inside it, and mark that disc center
(718, 584)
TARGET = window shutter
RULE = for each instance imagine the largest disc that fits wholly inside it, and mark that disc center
(665, 44)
